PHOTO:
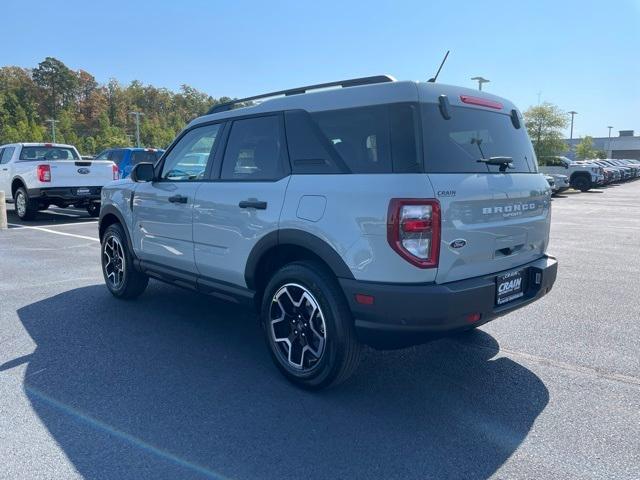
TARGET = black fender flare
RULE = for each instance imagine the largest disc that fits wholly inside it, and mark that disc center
(299, 238)
(19, 179)
(111, 210)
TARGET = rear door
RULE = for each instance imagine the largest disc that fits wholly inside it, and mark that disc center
(163, 209)
(243, 202)
(491, 221)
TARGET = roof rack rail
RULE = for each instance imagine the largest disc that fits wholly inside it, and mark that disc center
(223, 107)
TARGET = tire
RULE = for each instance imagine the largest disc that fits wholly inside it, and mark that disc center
(120, 275)
(333, 351)
(582, 183)
(25, 209)
(93, 209)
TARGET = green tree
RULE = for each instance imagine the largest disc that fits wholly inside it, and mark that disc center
(585, 149)
(601, 154)
(545, 124)
(58, 81)
(91, 116)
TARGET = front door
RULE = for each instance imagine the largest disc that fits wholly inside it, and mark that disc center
(163, 209)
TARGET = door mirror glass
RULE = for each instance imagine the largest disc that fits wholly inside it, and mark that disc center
(143, 172)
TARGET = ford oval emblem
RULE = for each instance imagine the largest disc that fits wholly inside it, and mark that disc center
(83, 171)
(458, 243)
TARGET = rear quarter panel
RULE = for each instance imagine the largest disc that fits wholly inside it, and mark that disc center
(354, 220)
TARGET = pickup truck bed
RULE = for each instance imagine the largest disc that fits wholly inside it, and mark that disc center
(35, 176)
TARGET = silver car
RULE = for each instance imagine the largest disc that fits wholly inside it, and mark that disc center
(365, 211)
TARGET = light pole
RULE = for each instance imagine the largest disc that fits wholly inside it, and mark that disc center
(609, 146)
(137, 115)
(480, 81)
(53, 128)
(572, 113)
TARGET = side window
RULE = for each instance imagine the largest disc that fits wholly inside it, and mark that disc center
(7, 153)
(1, 159)
(104, 155)
(188, 159)
(140, 156)
(254, 150)
(375, 139)
(116, 156)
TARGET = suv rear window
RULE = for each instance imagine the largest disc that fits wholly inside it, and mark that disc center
(456, 145)
(48, 153)
(375, 139)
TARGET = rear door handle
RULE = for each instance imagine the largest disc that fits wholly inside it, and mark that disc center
(178, 199)
(257, 204)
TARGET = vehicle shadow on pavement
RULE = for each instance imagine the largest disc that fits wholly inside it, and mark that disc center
(49, 218)
(177, 385)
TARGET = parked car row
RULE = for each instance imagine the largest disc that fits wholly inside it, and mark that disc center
(618, 170)
(584, 175)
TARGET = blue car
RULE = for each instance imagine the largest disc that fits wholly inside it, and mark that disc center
(128, 157)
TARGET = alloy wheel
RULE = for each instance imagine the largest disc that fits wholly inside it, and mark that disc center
(297, 327)
(21, 204)
(114, 261)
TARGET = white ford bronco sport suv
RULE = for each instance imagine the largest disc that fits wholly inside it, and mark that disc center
(37, 175)
(382, 213)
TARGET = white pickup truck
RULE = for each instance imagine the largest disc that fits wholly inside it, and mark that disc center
(35, 176)
(582, 177)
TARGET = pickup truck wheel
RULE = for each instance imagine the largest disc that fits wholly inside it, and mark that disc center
(308, 326)
(25, 208)
(93, 209)
(120, 275)
(582, 183)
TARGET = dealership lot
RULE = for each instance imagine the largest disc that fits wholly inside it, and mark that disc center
(177, 385)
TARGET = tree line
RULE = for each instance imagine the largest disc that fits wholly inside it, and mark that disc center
(90, 115)
(545, 125)
(93, 117)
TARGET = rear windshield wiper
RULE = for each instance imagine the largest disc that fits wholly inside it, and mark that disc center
(503, 162)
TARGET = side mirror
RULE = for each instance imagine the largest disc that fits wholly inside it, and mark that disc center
(566, 166)
(143, 172)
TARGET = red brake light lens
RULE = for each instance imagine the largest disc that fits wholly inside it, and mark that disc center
(116, 172)
(482, 102)
(44, 173)
(413, 230)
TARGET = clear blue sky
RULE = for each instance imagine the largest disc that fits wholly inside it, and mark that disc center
(582, 56)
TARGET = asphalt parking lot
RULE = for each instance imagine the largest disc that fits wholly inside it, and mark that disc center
(177, 385)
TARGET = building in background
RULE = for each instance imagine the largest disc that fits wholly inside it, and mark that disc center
(625, 145)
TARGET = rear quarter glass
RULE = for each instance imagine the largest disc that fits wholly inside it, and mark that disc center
(456, 145)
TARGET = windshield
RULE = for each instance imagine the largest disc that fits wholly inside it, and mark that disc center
(48, 153)
(472, 134)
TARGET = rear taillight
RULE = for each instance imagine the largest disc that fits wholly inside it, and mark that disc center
(116, 172)
(44, 173)
(413, 230)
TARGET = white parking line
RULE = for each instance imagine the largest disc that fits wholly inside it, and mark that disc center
(88, 222)
(64, 214)
(42, 229)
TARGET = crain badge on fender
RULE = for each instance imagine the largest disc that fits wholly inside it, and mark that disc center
(458, 243)
(83, 171)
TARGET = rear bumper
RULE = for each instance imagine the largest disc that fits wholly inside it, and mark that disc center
(67, 195)
(410, 314)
